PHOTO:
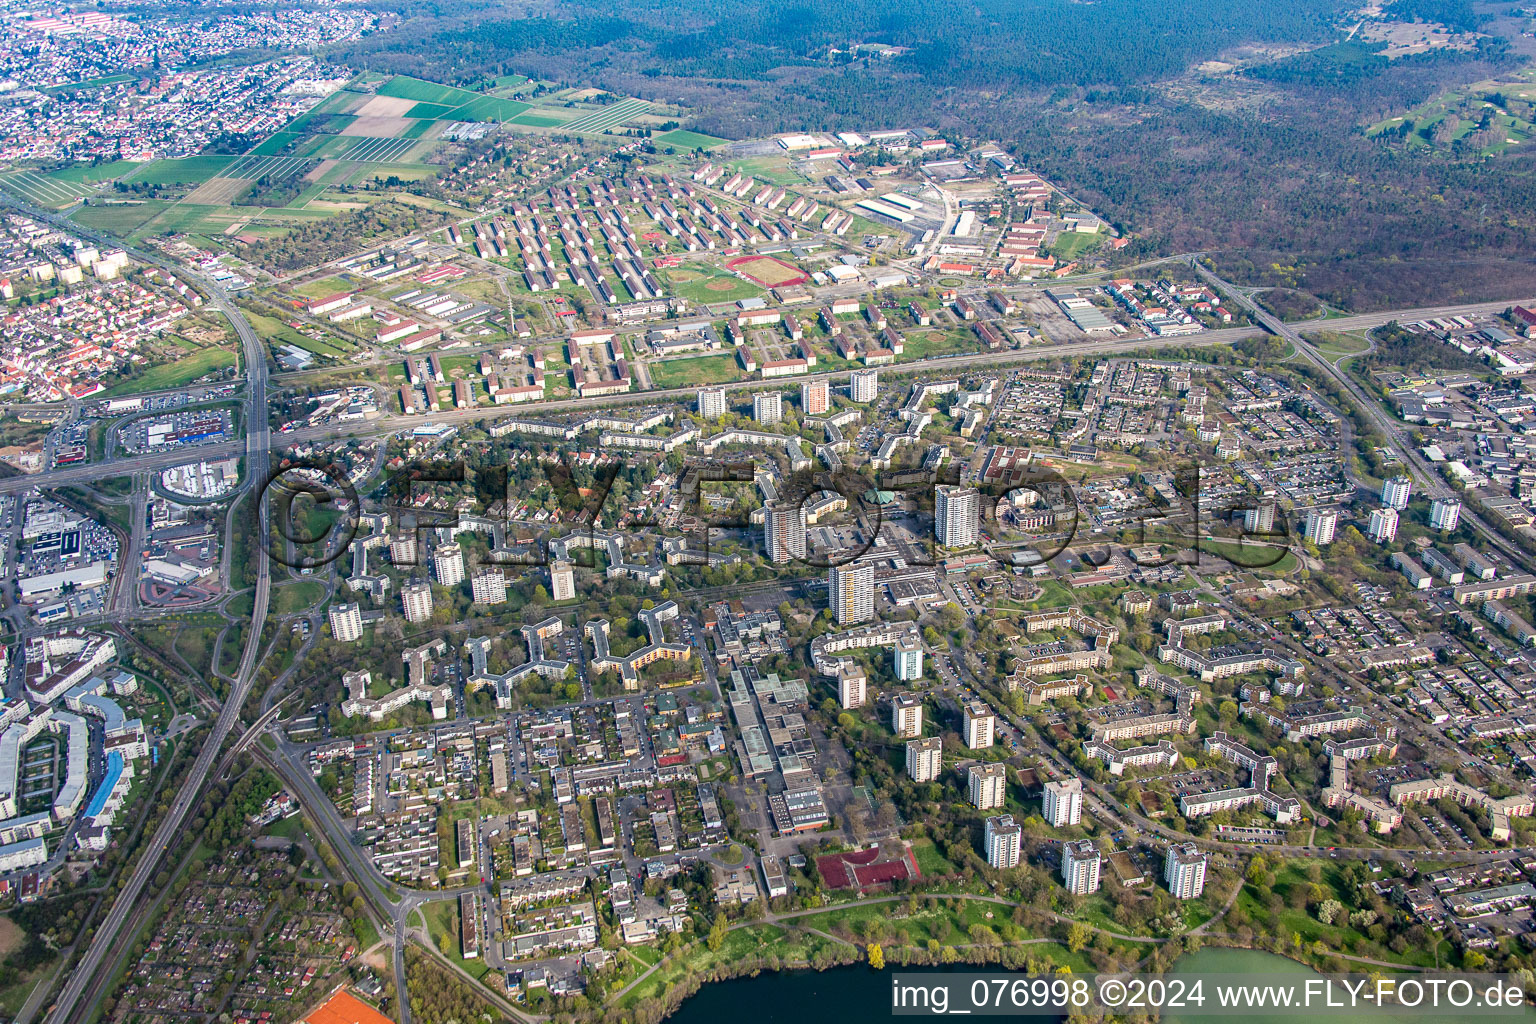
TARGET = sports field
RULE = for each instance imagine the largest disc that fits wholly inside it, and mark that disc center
(768, 271)
(704, 285)
(712, 369)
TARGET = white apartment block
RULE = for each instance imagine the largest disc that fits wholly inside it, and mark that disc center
(851, 594)
(1080, 864)
(346, 623)
(987, 786)
(489, 587)
(784, 531)
(562, 581)
(1062, 804)
(402, 549)
(448, 565)
(852, 688)
(768, 407)
(416, 599)
(1382, 527)
(1396, 491)
(906, 715)
(1319, 525)
(1445, 514)
(1003, 840)
(980, 726)
(925, 759)
(712, 403)
(956, 516)
(1184, 871)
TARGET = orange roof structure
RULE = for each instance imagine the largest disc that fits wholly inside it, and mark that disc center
(345, 1008)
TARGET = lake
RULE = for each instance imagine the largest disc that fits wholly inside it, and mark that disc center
(856, 992)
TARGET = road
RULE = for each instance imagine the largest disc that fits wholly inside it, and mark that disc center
(1429, 482)
(937, 367)
(68, 1006)
(397, 904)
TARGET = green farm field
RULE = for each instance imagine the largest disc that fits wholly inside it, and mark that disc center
(683, 139)
(192, 170)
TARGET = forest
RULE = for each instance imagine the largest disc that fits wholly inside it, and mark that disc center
(1268, 168)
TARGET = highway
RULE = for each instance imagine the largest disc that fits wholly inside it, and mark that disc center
(940, 366)
(1429, 482)
(68, 1006)
(73, 1002)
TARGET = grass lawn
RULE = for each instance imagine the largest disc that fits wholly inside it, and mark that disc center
(1250, 556)
(773, 169)
(443, 920)
(119, 219)
(1289, 922)
(711, 369)
(1334, 345)
(291, 827)
(99, 172)
(929, 860)
(649, 954)
(195, 645)
(367, 935)
(486, 108)
(406, 88)
(91, 83)
(177, 374)
(1073, 243)
(684, 139)
(739, 944)
(295, 597)
(276, 143)
(921, 344)
(428, 111)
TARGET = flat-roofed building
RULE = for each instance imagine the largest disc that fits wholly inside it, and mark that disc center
(925, 759)
(1004, 841)
(1080, 864)
(1062, 804)
(980, 725)
(346, 623)
(906, 715)
(987, 785)
(1184, 871)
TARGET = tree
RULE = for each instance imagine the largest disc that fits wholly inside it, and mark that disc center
(717, 933)
(1078, 935)
(876, 956)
